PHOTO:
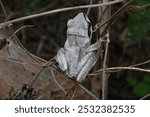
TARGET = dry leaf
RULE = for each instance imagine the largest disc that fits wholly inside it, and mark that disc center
(21, 73)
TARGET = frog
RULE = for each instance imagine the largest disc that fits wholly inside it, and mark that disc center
(78, 55)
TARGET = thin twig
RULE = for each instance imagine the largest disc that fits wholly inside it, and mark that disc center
(40, 71)
(139, 64)
(116, 69)
(123, 68)
(24, 49)
(104, 69)
(4, 10)
(57, 82)
(21, 47)
(110, 19)
(23, 27)
(36, 76)
(74, 93)
(17, 61)
(69, 91)
(89, 9)
(91, 94)
(122, 10)
(105, 14)
(145, 96)
(61, 10)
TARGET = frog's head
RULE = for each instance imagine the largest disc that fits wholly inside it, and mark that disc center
(80, 26)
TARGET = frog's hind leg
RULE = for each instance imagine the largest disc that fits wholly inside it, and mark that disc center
(61, 59)
(89, 63)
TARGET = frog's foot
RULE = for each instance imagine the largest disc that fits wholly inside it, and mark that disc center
(61, 59)
(87, 67)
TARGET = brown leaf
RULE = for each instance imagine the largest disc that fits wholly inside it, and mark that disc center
(21, 73)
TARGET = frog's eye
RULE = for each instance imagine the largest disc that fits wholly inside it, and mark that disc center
(87, 19)
(89, 26)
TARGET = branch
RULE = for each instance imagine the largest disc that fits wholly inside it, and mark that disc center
(104, 14)
(139, 64)
(4, 10)
(89, 9)
(131, 67)
(145, 96)
(59, 85)
(87, 91)
(104, 78)
(61, 10)
(117, 14)
(122, 68)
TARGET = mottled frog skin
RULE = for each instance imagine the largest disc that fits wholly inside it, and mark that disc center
(78, 55)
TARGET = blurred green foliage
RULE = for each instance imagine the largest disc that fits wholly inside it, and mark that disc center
(131, 80)
(138, 23)
(32, 5)
(138, 27)
(140, 88)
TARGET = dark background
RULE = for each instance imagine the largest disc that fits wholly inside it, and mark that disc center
(49, 34)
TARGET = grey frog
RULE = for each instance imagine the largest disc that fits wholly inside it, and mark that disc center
(78, 55)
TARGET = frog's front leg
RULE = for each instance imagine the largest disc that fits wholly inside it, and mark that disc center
(61, 59)
(97, 44)
(85, 66)
(94, 46)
